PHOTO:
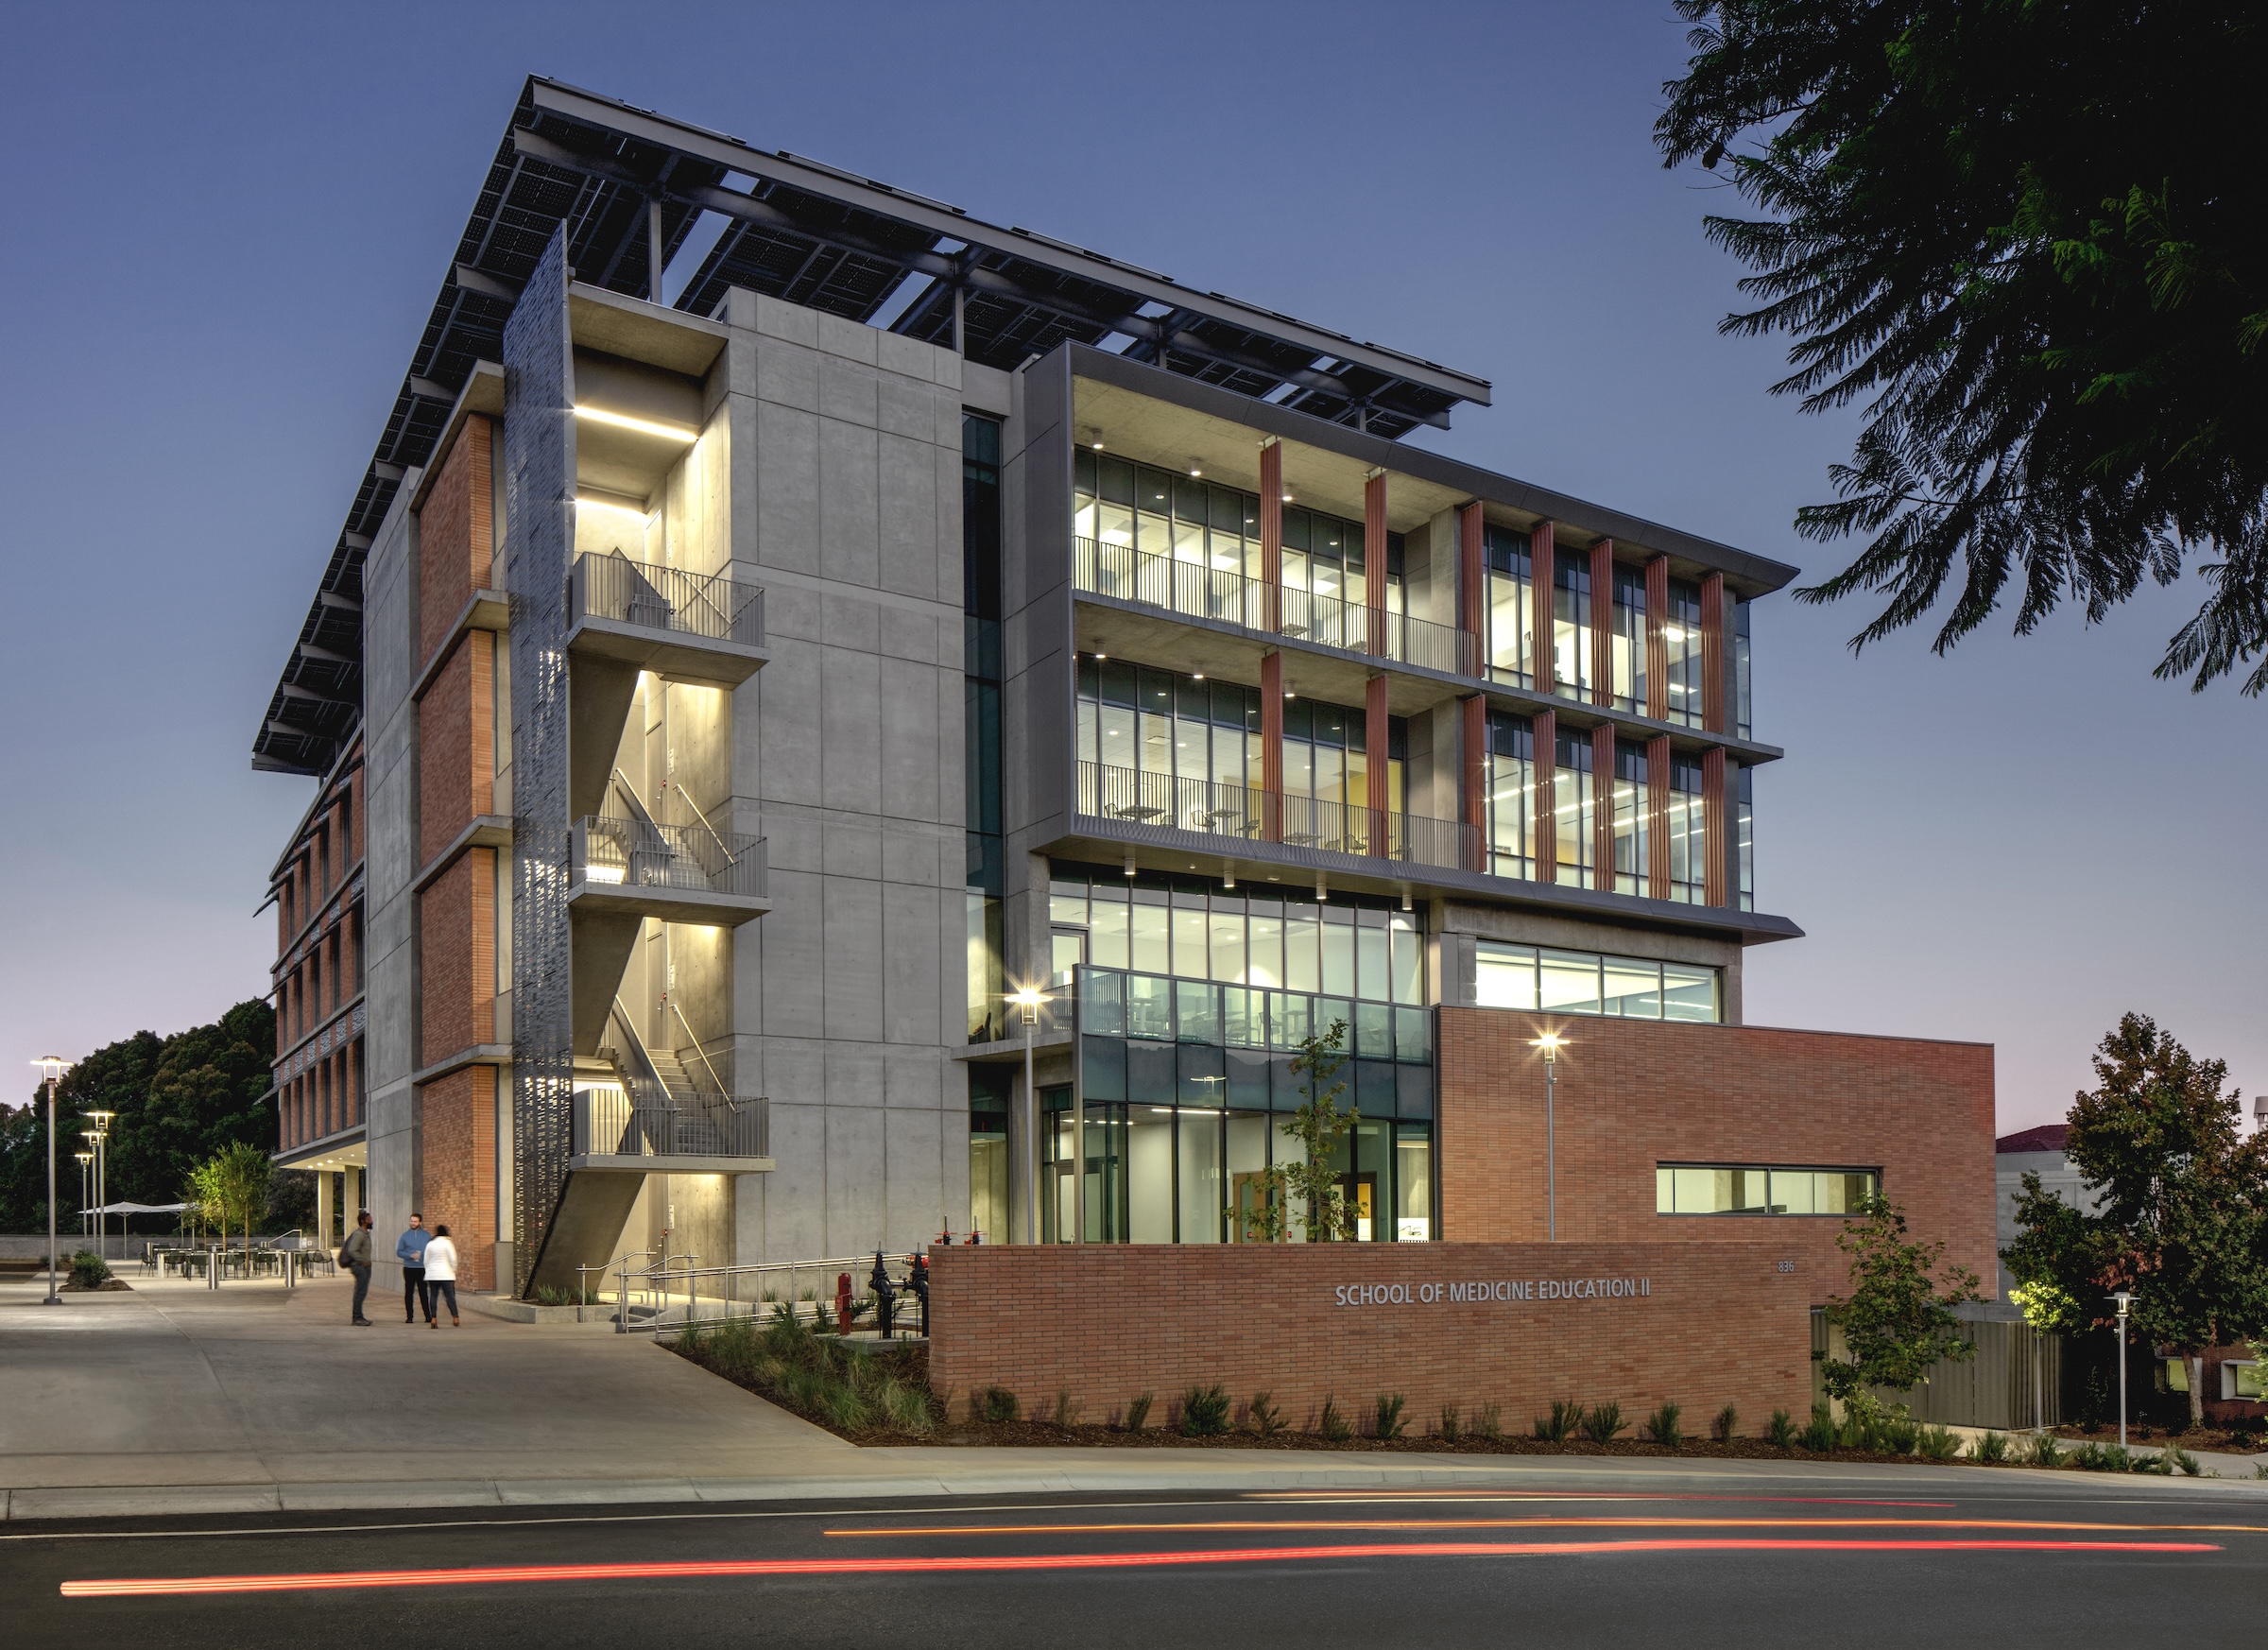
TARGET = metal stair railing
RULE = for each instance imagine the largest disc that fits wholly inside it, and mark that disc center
(720, 1284)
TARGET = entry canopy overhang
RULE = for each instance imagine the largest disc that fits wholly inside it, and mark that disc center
(830, 240)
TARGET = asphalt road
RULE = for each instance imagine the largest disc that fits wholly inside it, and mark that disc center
(1973, 1558)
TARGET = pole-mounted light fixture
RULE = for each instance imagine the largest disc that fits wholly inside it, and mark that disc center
(1551, 1043)
(52, 1068)
(1027, 1003)
(2123, 1299)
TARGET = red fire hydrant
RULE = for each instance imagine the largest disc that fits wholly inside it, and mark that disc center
(842, 1301)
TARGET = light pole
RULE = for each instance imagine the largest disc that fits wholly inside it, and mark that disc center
(85, 1185)
(51, 1068)
(1551, 1043)
(1027, 1006)
(2123, 1301)
(102, 1180)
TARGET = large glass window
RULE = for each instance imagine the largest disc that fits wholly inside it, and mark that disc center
(1581, 982)
(1761, 1188)
(989, 1149)
(1688, 837)
(1681, 630)
(1511, 628)
(1511, 781)
(1629, 804)
(1743, 824)
(1629, 641)
(1573, 801)
(1166, 748)
(1743, 715)
(981, 687)
(1571, 625)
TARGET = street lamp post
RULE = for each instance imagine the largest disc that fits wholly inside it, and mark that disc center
(102, 1180)
(85, 1185)
(1551, 1043)
(1027, 1008)
(51, 1068)
(2123, 1301)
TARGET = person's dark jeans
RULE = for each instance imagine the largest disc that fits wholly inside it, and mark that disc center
(362, 1289)
(413, 1293)
(436, 1292)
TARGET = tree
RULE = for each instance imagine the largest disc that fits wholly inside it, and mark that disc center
(1321, 1128)
(178, 1099)
(2182, 1216)
(238, 1177)
(2031, 242)
(1898, 1319)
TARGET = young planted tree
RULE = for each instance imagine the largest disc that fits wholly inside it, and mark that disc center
(1898, 1319)
(2181, 1220)
(243, 1172)
(1321, 1128)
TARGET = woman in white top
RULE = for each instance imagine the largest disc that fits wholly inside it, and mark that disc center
(440, 1278)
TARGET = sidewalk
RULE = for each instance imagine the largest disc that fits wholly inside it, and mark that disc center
(179, 1400)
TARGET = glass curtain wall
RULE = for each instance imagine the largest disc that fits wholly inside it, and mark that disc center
(1688, 844)
(1743, 823)
(1152, 744)
(1573, 797)
(1540, 979)
(1629, 640)
(1743, 715)
(989, 1091)
(981, 683)
(1193, 1005)
(1511, 781)
(1631, 860)
(1571, 625)
(1511, 630)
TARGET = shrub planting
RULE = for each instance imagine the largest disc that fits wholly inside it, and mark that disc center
(1938, 1443)
(818, 1377)
(1991, 1447)
(1266, 1415)
(1331, 1424)
(1389, 1419)
(1137, 1411)
(1067, 1409)
(1449, 1428)
(1601, 1421)
(2047, 1450)
(1205, 1412)
(999, 1403)
(1781, 1434)
(1490, 1424)
(1661, 1426)
(1561, 1424)
(89, 1270)
(1819, 1438)
(1722, 1428)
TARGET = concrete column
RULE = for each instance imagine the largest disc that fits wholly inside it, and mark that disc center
(1473, 585)
(1601, 812)
(1547, 802)
(355, 1203)
(1658, 642)
(1713, 827)
(1377, 737)
(1271, 740)
(1657, 816)
(322, 1208)
(1543, 569)
(1271, 540)
(1374, 557)
(1713, 708)
(1472, 767)
(1602, 622)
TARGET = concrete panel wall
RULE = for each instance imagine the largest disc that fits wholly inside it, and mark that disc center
(846, 754)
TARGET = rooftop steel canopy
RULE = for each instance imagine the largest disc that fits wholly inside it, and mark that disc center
(826, 239)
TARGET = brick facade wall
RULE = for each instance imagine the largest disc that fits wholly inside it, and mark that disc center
(456, 743)
(459, 1181)
(454, 538)
(456, 945)
(1720, 1325)
(1634, 1093)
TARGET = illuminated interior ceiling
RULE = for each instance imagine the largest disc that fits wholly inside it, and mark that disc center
(793, 229)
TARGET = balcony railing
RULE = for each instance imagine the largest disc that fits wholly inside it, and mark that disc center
(1248, 814)
(1199, 592)
(609, 1122)
(640, 854)
(612, 586)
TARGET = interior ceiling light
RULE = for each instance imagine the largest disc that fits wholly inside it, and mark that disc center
(643, 427)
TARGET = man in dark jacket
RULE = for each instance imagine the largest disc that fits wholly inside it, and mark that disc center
(357, 1256)
(410, 1250)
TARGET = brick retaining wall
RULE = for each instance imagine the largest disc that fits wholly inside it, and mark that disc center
(1718, 1323)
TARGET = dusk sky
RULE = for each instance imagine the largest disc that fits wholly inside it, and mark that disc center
(226, 226)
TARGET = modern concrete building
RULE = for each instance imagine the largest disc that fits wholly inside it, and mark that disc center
(787, 616)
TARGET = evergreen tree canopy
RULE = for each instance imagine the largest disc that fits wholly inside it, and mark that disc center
(179, 1100)
(2032, 241)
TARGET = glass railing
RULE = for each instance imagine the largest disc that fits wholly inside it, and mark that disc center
(612, 586)
(1134, 797)
(1196, 590)
(640, 854)
(1163, 1009)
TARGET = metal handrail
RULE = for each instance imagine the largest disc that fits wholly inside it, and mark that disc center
(1196, 590)
(698, 1049)
(697, 812)
(859, 1267)
(638, 852)
(609, 585)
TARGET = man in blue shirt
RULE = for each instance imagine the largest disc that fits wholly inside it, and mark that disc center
(411, 1251)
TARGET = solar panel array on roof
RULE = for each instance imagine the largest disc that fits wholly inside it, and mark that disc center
(813, 236)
